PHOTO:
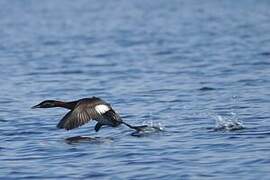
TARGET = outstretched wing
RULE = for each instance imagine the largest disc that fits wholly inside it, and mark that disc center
(84, 111)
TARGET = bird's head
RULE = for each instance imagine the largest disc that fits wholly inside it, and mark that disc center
(46, 104)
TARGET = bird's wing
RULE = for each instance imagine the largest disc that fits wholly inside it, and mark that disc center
(83, 113)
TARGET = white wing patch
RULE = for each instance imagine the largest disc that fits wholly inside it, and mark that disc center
(101, 109)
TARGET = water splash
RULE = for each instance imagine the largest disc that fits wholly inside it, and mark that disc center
(230, 123)
(150, 128)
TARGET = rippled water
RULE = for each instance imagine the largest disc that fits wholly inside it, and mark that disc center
(200, 70)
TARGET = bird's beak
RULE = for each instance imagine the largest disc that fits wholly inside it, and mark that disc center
(36, 106)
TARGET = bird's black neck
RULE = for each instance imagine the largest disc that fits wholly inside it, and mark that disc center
(68, 105)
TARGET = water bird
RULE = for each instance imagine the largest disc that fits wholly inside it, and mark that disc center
(84, 110)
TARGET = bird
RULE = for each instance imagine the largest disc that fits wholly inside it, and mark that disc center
(84, 110)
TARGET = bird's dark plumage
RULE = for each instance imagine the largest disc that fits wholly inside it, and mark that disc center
(84, 110)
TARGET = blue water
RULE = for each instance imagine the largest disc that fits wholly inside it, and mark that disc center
(199, 70)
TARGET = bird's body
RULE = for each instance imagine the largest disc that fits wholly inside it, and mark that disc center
(84, 110)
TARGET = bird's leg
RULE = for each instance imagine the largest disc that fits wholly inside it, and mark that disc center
(137, 128)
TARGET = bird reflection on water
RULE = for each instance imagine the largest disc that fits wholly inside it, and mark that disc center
(88, 139)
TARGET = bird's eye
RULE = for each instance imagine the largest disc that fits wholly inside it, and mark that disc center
(47, 104)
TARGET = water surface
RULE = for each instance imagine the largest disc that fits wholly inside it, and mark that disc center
(196, 69)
